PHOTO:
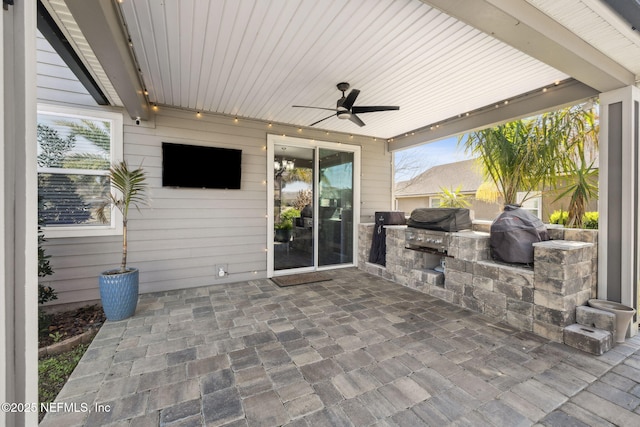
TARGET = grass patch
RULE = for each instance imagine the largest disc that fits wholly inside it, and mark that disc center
(53, 372)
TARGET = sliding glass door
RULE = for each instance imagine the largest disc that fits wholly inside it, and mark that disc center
(293, 238)
(312, 205)
(335, 205)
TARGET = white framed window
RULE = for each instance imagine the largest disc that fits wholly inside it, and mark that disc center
(533, 204)
(434, 202)
(76, 147)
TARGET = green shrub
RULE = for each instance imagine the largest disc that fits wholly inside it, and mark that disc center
(559, 217)
(286, 219)
(590, 220)
(289, 214)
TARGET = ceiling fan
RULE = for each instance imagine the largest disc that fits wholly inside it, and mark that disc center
(345, 108)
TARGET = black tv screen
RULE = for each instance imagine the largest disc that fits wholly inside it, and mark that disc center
(195, 166)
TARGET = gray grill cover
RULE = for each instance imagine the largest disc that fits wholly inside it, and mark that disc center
(513, 234)
(440, 219)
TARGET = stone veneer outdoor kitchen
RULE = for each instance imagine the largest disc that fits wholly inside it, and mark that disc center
(541, 299)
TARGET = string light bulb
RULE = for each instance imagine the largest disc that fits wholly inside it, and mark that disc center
(198, 115)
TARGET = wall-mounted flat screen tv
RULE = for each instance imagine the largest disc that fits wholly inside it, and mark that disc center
(195, 166)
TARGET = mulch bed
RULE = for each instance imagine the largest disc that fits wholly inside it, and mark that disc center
(68, 324)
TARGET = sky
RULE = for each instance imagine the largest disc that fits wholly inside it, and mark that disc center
(413, 161)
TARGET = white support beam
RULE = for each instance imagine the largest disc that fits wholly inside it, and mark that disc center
(18, 214)
(100, 24)
(521, 25)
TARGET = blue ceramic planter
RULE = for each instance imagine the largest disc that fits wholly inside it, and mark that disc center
(119, 293)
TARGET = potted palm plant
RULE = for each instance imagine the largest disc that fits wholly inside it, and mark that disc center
(119, 287)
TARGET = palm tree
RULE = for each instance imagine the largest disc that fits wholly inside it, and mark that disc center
(540, 153)
(453, 198)
(131, 190)
(515, 156)
(98, 135)
(577, 131)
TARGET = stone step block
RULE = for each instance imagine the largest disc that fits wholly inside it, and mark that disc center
(596, 318)
(591, 340)
(434, 278)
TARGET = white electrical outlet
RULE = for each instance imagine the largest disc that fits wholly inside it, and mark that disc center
(221, 271)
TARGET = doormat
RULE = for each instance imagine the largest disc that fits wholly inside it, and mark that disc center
(300, 279)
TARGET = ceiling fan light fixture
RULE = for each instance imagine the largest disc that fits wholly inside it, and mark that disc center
(345, 110)
(344, 114)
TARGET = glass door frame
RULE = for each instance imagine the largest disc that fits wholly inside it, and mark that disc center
(272, 141)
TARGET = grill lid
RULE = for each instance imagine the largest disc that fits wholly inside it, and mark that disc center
(441, 219)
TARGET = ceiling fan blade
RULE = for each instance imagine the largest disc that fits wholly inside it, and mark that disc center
(317, 108)
(373, 108)
(355, 119)
(321, 120)
(351, 98)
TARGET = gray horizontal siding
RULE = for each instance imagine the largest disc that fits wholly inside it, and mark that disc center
(178, 239)
(183, 234)
(376, 180)
(56, 83)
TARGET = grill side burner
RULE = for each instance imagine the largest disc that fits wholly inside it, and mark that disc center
(427, 240)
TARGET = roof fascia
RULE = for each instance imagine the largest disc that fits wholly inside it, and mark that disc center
(49, 29)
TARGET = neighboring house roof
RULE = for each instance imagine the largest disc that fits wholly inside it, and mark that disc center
(466, 174)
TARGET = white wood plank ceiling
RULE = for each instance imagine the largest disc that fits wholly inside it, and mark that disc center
(257, 58)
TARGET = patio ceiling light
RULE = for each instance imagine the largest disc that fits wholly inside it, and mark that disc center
(343, 113)
(283, 165)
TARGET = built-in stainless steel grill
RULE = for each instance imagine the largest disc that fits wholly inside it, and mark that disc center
(426, 240)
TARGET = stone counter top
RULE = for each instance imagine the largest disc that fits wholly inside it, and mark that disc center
(469, 234)
(565, 245)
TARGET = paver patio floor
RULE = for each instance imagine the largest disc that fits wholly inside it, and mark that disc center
(356, 350)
